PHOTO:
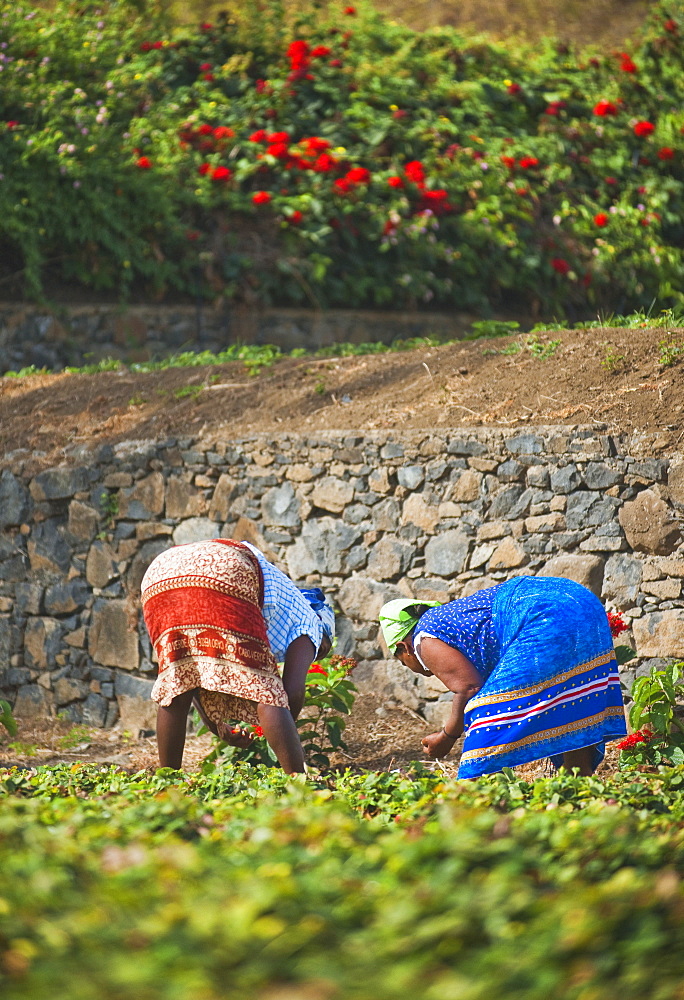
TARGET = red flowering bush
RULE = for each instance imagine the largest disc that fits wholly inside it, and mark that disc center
(424, 189)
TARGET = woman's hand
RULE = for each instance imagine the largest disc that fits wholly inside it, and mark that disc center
(234, 737)
(438, 744)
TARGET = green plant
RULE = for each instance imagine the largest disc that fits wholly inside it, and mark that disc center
(319, 387)
(7, 720)
(611, 360)
(670, 352)
(541, 348)
(491, 328)
(109, 505)
(188, 391)
(137, 400)
(25, 748)
(78, 734)
(329, 698)
(658, 730)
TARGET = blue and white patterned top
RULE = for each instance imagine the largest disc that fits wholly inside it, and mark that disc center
(286, 611)
(465, 624)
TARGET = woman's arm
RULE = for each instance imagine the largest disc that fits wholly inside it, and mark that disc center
(298, 658)
(459, 675)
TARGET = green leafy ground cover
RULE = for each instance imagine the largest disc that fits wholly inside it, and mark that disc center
(322, 154)
(246, 882)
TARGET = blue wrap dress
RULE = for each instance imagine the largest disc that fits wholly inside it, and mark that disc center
(544, 650)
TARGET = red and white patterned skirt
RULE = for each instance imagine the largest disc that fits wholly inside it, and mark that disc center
(202, 607)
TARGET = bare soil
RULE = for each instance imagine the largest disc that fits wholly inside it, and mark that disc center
(378, 737)
(625, 379)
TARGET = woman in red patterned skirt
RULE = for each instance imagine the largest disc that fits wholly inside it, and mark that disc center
(220, 618)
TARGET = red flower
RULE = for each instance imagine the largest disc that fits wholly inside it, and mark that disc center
(209, 77)
(278, 137)
(205, 67)
(314, 144)
(335, 63)
(12, 124)
(261, 197)
(358, 175)
(203, 169)
(206, 129)
(514, 88)
(342, 186)
(316, 668)
(617, 623)
(640, 736)
(626, 64)
(604, 107)
(222, 174)
(350, 11)
(144, 163)
(611, 180)
(295, 218)
(205, 26)
(319, 51)
(395, 182)
(529, 161)
(521, 191)
(560, 265)
(223, 132)
(415, 171)
(258, 730)
(399, 114)
(601, 219)
(258, 136)
(508, 161)
(666, 153)
(279, 150)
(643, 129)
(555, 106)
(324, 163)
(670, 26)
(262, 86)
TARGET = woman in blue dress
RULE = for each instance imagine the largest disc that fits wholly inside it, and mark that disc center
(531, 666)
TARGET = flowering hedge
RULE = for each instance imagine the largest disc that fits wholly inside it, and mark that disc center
(334, 158)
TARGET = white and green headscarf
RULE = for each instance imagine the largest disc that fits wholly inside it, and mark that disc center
(398, 618)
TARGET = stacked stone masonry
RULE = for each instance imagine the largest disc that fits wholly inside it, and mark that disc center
(425, 515)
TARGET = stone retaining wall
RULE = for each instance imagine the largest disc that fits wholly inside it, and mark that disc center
(431, 515)
(78, 335)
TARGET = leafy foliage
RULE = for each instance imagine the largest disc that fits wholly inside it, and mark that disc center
(329, 697)
(655, 716)
(247, 882)
(301, 154)
(7, 720)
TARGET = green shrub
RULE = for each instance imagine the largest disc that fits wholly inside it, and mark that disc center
(417, 169)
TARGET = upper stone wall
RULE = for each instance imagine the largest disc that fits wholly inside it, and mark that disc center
(78, 335)
(426, 515)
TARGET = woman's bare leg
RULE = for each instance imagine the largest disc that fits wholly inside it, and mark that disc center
(581, 759)
(281, 732)
(171, 724)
